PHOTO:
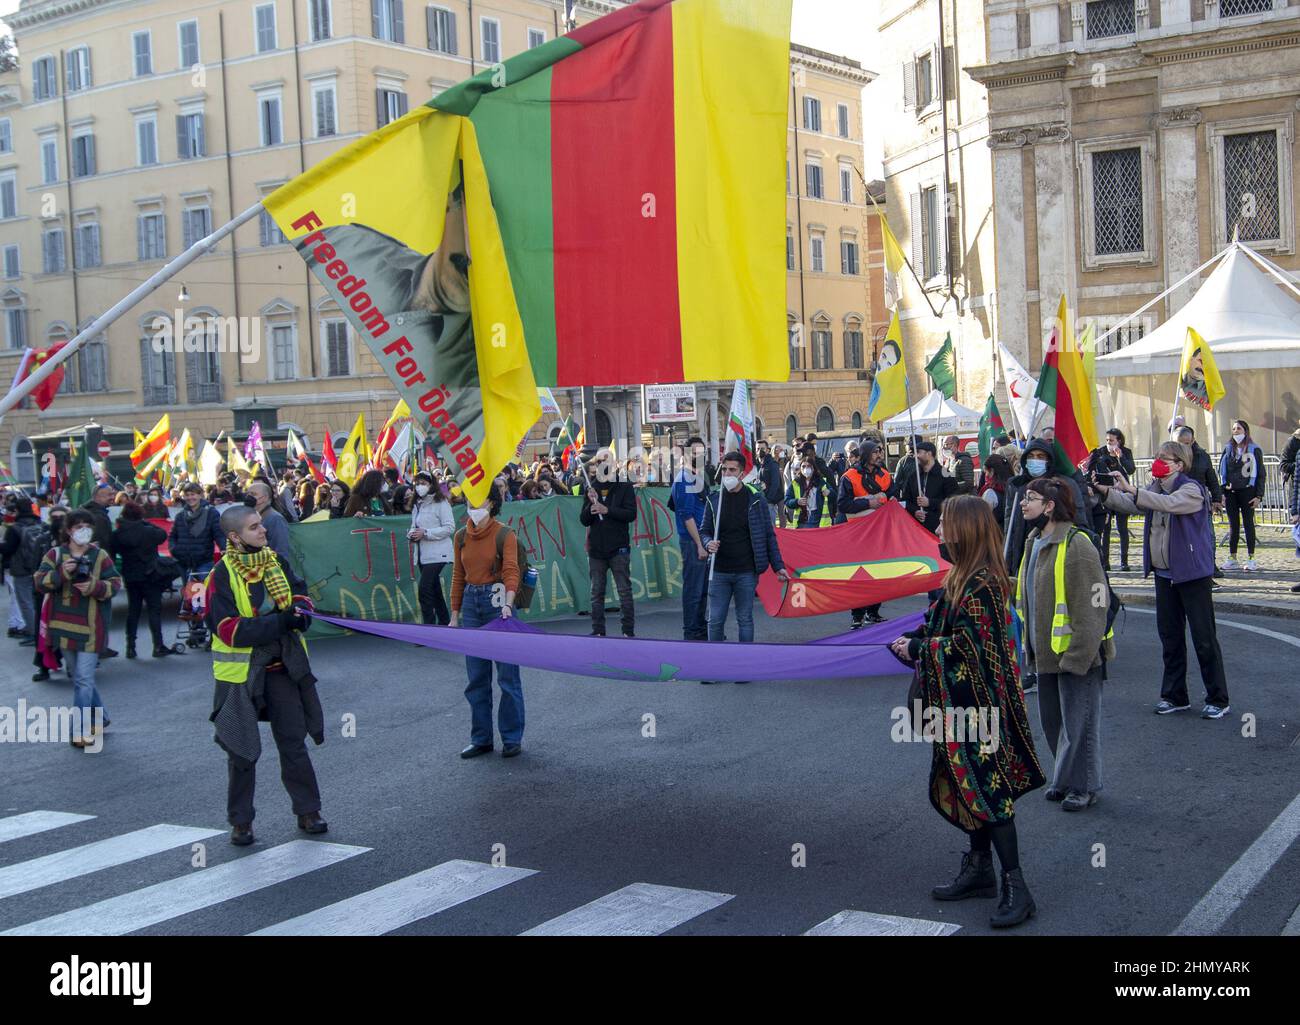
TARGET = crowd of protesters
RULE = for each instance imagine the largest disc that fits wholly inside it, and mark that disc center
(1028, 540)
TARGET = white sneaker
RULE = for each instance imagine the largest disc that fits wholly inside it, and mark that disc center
(1230, 564)
(1251, 565)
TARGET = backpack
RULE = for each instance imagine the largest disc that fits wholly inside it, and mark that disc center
(33, 543)
(1114, 604)
(527, 576)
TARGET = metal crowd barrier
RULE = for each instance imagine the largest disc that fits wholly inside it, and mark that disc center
(1273, 511)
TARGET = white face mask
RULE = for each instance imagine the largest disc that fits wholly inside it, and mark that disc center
(422, 489)
(731, 483)
(478, 515)
(1238, 438)
(807, 471)
(82, 535)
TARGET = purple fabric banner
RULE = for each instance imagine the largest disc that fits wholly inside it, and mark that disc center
(862, 652)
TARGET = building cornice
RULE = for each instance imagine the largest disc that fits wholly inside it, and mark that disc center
(830, 64)
(1029, 71)
(31, 14)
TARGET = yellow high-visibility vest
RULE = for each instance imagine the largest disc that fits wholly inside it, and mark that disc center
(1061, 629)
(826, 505)
(230, 664)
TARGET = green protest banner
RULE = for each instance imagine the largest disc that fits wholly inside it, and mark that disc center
(364, 567)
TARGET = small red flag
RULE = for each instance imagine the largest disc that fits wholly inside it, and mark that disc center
(43, 394)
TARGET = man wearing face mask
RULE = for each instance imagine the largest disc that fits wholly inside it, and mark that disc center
(1178, 547)
(738, 535)
(608, 510)
(259, 661)
(1036, 464)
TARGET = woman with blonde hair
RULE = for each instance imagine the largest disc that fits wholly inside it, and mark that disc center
(967, 672)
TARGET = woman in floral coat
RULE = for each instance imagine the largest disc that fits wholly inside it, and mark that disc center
(968, 672)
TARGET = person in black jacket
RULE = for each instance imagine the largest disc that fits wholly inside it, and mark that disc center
(608, 508)
(103, 496)
(1202, 469)
(1104, 463)
(924, 495)
(196, 532)
(769, 476)
(136, 542)
(262, 672)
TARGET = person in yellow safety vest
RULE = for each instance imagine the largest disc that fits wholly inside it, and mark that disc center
(1065, 637)
(259, 660)
(809, 496)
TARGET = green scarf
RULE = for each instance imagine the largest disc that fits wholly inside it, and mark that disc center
(262, 565)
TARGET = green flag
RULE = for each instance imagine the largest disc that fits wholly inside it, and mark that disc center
(81, 477)
(943, 369)
(990, 427)
(564, 439)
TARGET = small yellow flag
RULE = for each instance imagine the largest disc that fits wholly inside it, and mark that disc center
(1198, 377)
(354, 454)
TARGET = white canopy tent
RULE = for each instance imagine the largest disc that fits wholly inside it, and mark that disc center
(1249, 313)
(934, 414)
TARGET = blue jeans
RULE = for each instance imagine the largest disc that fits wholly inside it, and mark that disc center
(695, 583)
(476, 609)
(722, 589)
(81, 667)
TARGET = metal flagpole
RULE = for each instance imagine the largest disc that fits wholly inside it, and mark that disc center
(101, 323)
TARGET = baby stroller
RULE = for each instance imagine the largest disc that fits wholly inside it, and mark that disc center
(193, 630)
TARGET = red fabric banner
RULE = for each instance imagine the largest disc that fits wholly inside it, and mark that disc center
(873, 558)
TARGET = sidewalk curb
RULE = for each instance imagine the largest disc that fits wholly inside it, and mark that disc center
(1146, 599)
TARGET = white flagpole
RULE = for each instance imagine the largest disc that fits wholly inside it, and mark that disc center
(101, 323)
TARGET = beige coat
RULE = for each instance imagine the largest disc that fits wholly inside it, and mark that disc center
(1086, 598)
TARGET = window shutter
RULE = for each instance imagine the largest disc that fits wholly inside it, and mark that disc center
(949, 74)
(379, 107)
(399, 22)
(431, 26)
(139, 238)
(90, 153)
(918, 249)
(263, 229)
(953, 235)
(401, 104)
(200, 143)
(192, 380)
(375, 26)
(182, 137)
(451, 33)
(909, 85)
(88, 83)
(94, 243)
(69, 73)
(146, 372)
(936, 56)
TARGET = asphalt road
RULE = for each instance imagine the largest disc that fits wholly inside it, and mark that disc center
(714, 803)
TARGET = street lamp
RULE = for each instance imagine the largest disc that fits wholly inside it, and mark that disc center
(184, 295)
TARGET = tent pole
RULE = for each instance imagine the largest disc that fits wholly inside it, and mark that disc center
(1172, 288)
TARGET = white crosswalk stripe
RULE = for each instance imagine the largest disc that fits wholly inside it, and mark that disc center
(12, 827)
(202, 888)
(642, 909)
(401, 902)
(866, 923)
(94, 857)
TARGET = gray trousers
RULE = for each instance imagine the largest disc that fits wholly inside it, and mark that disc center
(1069, 708)
(25, 593)
(620, 565)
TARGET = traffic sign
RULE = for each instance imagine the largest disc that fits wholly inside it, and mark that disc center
(105, 449)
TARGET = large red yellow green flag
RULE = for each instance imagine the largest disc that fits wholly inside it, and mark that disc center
(1063, 385)
(607, 208)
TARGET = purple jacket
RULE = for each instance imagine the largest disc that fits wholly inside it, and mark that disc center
(1191, 540)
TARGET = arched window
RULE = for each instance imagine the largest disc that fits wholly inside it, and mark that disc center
(825, 419)
(22, 457)
(857, 420)
(157, 360)
(791, 428)
(604, 428)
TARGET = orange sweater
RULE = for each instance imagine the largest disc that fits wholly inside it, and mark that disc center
(475, 560)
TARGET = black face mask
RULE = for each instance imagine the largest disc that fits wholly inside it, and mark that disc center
(1037, 523)
(945, 553)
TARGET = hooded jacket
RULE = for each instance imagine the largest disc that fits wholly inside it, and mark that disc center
(1013, 524)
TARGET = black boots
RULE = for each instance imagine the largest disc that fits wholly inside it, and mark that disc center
(1016, 904)
(130, 647)
(976, 878)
